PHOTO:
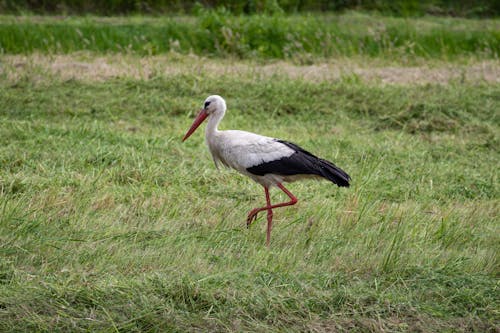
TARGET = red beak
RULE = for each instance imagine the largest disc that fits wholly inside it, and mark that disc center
(197, 122)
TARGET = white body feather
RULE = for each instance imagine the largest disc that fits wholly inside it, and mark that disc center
(241, 150)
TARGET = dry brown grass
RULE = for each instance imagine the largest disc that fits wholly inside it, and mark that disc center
(87, 67)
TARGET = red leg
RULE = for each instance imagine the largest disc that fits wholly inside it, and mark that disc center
(252, 215)
(269, 217)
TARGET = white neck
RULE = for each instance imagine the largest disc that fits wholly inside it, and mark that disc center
(213, 122)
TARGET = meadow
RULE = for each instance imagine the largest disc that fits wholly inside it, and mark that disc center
(303, 38)
(109, 223)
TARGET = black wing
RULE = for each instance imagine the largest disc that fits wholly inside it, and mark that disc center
(302, 162)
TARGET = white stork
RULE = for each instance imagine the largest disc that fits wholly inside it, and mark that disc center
(268, 161)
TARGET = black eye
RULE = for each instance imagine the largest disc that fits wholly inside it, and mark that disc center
(207, 104)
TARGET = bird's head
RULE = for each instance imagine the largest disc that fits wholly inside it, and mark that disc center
(213, 105)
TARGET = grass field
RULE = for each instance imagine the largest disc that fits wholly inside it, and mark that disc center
(301, 38)
(108, 222)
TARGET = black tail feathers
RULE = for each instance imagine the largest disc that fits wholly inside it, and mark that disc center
(333, 173)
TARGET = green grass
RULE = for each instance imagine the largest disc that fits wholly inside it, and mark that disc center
(108, 222)
(218, 33)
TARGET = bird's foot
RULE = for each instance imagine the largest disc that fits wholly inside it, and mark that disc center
(252, 216)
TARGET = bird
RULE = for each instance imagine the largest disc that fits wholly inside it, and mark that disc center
(268, 161)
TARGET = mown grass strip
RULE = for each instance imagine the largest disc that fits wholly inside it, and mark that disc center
(108, 222)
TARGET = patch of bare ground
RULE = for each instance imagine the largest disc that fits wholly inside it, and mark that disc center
(87, 67)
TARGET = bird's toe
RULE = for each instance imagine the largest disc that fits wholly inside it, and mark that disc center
(252, 216)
